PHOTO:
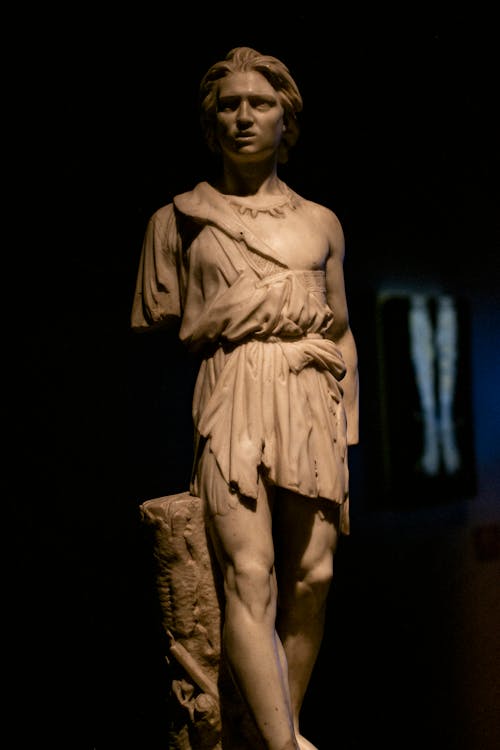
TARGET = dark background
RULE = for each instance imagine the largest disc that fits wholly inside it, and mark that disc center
(400, 138)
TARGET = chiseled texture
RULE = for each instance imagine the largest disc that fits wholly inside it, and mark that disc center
(191, 616)
(260, 327)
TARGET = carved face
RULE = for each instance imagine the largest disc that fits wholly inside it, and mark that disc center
(249, 117)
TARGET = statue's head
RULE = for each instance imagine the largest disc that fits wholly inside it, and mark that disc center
(242, 60)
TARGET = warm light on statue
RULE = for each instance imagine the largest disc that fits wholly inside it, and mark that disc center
(253, 273)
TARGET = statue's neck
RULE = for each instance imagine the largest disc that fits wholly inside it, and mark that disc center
(259, 180)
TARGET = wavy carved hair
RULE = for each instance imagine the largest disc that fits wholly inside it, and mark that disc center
(241, 60)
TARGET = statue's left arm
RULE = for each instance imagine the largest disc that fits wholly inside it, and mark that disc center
(157, 299)
(340, 331)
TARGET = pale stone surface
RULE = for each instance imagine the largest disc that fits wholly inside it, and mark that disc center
(189, 597)
(253, 272)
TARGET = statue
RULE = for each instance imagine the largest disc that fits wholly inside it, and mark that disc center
(253, 272)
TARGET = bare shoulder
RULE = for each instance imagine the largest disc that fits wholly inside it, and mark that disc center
(328, 221)
(323, 214)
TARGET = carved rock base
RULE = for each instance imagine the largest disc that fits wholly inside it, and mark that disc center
(205, 708)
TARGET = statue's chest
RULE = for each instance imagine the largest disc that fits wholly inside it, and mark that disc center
(297, 243)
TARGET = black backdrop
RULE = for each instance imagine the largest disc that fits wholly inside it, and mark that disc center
(399, 138)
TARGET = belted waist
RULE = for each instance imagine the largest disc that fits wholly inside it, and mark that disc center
(300, 352)
(285, 339)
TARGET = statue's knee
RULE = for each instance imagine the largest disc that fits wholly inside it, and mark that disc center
(320, 576)
(308, 592)
(252, 584)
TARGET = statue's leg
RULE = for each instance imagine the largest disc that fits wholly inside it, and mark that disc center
(242, 540)
(306, 534)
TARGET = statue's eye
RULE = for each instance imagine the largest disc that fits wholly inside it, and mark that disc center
(228, 105)
(262, 103)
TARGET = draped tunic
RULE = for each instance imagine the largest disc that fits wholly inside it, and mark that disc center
(267, 400)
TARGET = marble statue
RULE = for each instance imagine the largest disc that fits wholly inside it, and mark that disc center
(252, 273)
